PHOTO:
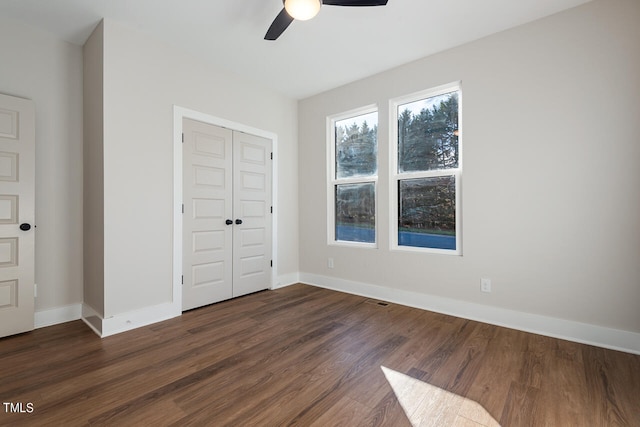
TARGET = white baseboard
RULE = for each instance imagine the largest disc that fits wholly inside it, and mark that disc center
(128, 321)
(286, 280)
(600, 336)
(53, 316)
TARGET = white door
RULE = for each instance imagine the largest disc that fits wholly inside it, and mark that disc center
(17, 237)
(252, 213)
(207, 197)
(227, 214)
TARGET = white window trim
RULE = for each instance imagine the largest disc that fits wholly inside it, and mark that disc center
(332, 181)
(395, 177)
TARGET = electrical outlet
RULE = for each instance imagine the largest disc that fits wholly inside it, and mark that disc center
(485, 285)
(330, 262)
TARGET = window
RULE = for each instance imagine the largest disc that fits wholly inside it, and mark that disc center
(426, 171)
(353, 177)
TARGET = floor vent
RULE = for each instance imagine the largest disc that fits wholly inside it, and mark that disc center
(378, 303)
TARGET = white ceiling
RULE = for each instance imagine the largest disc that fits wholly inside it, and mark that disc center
(340, 45)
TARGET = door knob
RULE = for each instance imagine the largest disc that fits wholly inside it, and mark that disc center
(238, 221)
(25, 227)
(228, 222)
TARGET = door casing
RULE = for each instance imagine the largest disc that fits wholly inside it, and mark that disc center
(180, 113)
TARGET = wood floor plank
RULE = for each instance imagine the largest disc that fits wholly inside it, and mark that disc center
(563, 391)
(305, 356)
(466, 360)
(345, 413)
(520, 407)
(536, 357)
(503, 361)
(612, 395)
(387, 412)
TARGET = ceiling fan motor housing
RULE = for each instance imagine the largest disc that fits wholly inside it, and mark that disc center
(302, 10)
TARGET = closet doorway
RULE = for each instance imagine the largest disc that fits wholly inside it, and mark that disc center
(227, 209)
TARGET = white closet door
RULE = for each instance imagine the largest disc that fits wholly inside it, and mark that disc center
(252, 213)
(17, 234)
(207, 195)
(227, 214)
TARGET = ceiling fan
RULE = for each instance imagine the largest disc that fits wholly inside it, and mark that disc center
(307, 9)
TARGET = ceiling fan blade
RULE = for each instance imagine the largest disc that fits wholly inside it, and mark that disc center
(282, 21)
(355, 2)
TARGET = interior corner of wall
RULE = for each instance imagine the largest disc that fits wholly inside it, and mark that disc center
(285, 280)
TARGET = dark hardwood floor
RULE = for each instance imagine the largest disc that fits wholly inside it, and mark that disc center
(312, 357)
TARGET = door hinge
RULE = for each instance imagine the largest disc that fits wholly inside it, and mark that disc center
(183, 208)
(271, 263)
(272, 156)
(271, 209)
(183, 137)
(182, 280)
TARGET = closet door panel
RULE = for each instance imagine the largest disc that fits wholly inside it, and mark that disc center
(252, 211)
(207, 195)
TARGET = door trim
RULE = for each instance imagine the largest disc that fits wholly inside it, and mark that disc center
(180, 113)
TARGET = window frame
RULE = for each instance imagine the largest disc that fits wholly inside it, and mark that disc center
(395, 176)
(333, 181)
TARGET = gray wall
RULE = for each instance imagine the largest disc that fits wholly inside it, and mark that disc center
(550, 198)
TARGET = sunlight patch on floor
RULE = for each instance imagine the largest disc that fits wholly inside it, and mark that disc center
(428, 405)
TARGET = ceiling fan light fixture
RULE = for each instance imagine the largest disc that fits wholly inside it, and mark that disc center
(302, 10)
